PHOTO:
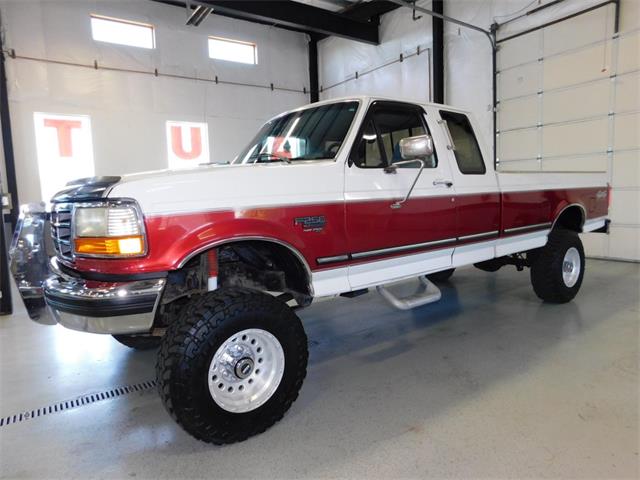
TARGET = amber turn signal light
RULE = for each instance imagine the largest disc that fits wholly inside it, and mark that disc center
(122, 246)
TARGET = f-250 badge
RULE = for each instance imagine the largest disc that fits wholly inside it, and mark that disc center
(311, 224)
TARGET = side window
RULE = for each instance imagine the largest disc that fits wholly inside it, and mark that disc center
(394, 124)
(368, 153)
(386, 125)
(467, 150)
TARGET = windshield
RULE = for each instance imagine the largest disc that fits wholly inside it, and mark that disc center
(309, 134)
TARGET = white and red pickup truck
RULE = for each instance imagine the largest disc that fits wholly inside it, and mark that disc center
(333, 198)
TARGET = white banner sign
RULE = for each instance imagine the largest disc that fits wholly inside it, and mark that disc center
(187, 144)
(64, 148)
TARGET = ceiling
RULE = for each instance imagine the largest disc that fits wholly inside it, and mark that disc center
(352, 19)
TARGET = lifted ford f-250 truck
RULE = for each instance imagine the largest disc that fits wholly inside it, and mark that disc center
(331, 199)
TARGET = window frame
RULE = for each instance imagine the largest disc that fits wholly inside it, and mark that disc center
(149, 26)
(380, 104)
(475, 139)
(232, 40)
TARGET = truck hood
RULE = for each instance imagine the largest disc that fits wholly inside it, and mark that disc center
(217, 187)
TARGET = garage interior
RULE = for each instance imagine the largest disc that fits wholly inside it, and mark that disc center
(488, 382)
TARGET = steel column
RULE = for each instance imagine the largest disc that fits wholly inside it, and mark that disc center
(438, 51)
(314, 94)
(7, 141)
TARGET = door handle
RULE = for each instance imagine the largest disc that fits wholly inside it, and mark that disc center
(446, 183)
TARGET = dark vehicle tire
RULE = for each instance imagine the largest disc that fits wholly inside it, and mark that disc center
(442, 276)
(558, 268)
(139, 342)
(231, 364)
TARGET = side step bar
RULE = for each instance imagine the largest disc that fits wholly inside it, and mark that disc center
(427, 293)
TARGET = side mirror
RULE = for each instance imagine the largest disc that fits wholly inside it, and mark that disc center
(420, 146)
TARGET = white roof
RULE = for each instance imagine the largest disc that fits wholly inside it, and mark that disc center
(365, 99)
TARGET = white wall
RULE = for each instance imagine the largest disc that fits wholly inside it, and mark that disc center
(339, 59)
(129, 110)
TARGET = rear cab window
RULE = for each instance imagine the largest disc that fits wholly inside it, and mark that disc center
(464, 143)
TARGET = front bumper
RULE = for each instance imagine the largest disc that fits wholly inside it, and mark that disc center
(99, 307)
(52, 296)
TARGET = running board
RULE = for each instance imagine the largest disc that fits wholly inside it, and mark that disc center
(427, 293)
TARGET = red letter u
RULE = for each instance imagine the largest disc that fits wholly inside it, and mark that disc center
(178, 148)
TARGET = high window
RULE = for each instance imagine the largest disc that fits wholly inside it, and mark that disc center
(122, 32)
(233, 50)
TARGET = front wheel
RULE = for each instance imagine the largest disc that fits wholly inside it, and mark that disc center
(232, 364)
(558, 268)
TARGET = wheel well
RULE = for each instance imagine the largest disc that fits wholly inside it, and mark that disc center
(571, 218)
(263, 264)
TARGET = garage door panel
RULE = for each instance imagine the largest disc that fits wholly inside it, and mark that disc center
(629, 52)
(624, 242)
(519, 144)
(586, 94)
(520, 50)
(519, 81)
(587, 64)
(595, 244)
(629, 20)
(588, 163)
(518, 113)
(575, 138)
(625, 206)
(570, 104)
(627, 92)
(627, 131)
(626, 169)
(529, 165)
(575, 32)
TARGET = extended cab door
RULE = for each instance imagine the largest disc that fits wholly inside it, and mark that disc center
(476, 186)
(386, 242)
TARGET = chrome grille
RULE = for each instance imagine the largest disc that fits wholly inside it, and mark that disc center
(61, 229)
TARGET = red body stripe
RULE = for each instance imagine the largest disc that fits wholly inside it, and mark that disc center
(350, 227)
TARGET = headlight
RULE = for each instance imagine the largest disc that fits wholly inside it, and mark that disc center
(108, 230)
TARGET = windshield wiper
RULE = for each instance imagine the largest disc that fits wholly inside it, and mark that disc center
(271, 156)
(315, 157)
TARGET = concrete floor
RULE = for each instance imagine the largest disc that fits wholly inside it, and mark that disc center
(487, 383)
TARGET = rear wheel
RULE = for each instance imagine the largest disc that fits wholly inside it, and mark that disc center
(139, 342)
(442, 276)
(232, 364)
(558, 268)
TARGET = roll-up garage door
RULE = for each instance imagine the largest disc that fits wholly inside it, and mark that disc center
(569, 100)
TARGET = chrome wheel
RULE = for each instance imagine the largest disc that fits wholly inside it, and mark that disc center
(246, 370)
(571, 266)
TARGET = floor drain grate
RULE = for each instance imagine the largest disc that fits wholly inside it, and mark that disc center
(77, 402)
